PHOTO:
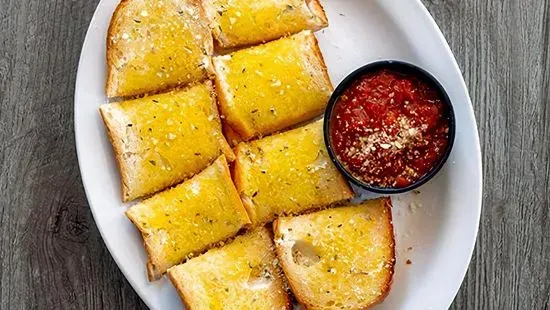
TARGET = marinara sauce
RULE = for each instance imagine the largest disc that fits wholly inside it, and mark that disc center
(389, 129)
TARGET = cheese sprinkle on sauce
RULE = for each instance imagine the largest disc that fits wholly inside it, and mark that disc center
(389, 129)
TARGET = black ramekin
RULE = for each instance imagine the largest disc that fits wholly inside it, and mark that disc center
(402, 67)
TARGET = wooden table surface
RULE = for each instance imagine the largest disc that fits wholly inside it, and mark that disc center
(51, 253)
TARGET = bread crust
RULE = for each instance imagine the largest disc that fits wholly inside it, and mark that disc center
(224, 144)
(152, 265)
(153, 273)
(208, 6)
(386, 289)
(225, 167)
(320, 59)
(223, 102)
(237, 128)
(117, 150)
(238, 174)
(231, 135)
(317, 9)
(109, 83)
(295, 284)
(184, 294)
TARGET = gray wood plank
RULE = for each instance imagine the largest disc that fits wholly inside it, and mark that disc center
(52, 256)
(502, 48)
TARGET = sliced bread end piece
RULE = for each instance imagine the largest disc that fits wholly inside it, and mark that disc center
(339, 258)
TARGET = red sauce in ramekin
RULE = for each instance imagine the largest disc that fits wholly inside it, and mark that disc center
(389, 129)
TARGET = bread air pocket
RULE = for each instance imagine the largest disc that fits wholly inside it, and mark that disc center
(341, 258)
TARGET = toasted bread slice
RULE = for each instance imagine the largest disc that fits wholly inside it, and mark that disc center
(244, 22)
(243, 274)
(340, 258)
(271, 87)
(189, 218)
(288, 173)
(161, 140)
(155, 45)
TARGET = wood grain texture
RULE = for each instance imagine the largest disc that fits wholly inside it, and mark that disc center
(503, 50)
(51, 253)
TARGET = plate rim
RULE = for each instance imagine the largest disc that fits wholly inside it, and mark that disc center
(479, 155)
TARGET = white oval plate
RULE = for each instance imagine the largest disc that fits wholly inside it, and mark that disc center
(436, 229)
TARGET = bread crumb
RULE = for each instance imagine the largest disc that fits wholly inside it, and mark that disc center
(408, 262)
(413, 206)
